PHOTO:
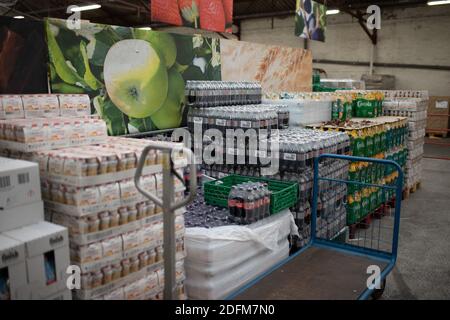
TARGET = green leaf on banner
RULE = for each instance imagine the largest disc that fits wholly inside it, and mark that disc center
(185, 49)
(99, 105)
(193, 73)
(180, 68)
(73, 55)
(123, 32)
(142, 125)
(90, 79)
(53, 75)
(299, 24)
(65, 88)
(102, 42)
(203, 52)
(213, 73)
(114, 118)
(64, 69)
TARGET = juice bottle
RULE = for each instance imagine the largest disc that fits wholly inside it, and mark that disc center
(353, 175)
(373, 199)
(360, 144)
(376, 141)
(348, 106)
(369, 143)
(355, 108)
(365, 203)
(380, 193)
(340, 109)
(353, 208)
(382, 140)
(335, 109)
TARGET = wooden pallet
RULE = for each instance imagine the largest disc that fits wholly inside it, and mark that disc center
(406, 193)
(379, 213)
(366, 222)
(410, 189)
(414, 187)
(437, 135)
(352, 231)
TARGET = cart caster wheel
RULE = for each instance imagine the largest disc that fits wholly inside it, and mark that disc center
(378, 293)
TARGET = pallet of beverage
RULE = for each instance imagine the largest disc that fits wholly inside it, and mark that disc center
(310, 107)
(28, 135)
(394, 94)
(363, 103)
(413, 105)
(115, 233)
(294, 160)
(381, 138)
(44, 106)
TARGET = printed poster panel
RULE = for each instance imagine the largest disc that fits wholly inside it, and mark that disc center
(310, 20)
(135, 78)
(279, 69)
(23, 57)
(212, 15)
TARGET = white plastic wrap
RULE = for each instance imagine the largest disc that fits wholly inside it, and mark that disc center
(222, 259)
(223, 284)
(305, 112)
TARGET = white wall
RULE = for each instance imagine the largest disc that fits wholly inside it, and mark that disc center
(412, 36)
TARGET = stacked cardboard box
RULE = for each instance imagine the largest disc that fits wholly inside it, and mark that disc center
(413, 105)
(44, 106)
(438, 123)
(29, 135)
(35, 254)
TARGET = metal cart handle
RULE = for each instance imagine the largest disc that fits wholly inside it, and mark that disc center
(169, 206)
(192, 182)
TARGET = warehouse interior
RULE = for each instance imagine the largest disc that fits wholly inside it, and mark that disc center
(409, 53)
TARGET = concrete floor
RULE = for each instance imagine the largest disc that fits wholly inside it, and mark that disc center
(423, 265)
(440, 147)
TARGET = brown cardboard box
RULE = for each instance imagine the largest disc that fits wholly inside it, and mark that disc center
(437, 124)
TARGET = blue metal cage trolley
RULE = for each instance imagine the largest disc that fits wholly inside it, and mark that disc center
(326, 269)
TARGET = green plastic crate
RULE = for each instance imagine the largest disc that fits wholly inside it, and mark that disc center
(284, 194)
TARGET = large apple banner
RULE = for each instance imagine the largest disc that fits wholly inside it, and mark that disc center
(135, 78)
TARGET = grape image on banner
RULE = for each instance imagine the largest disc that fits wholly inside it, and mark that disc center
(212, 15)
(310, 20)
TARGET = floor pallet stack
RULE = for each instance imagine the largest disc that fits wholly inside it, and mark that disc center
(115, 233)
(380, 138)
(297, 149)
(112, 233)
(413, 105)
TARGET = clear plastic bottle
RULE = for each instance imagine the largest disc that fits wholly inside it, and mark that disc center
(267, 196)
(249, 206)
(259, 201)
(232, 204)
(240, 199)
